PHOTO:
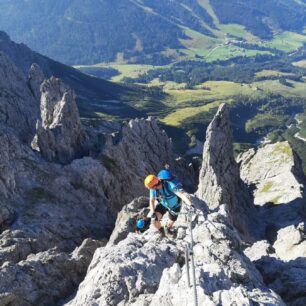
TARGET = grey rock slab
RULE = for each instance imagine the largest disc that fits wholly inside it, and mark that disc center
(150, 269)
(275, 173)
(44, 278)
(259, 249)
(125, 222)
(141, 148)
(291, 242)
(132, 266)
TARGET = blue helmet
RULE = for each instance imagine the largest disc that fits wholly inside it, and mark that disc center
(164, 175)
(140, 223)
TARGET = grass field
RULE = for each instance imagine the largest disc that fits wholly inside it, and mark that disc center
(287, 41)
(239, 31)
(209, 91)
(271, 73)
(189, 103)
(301, 64)
(199, 41)
(125, 70)
(177, 117)
(212, 90)
(213, 49)
(297, 89)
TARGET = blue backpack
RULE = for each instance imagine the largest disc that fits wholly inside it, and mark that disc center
(165, 176)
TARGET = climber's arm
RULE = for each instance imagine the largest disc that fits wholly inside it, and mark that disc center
(184, 196)
(152, 205)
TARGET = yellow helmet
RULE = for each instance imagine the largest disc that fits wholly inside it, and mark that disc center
(151, 181)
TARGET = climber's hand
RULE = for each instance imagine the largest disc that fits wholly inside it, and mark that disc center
(151, 214)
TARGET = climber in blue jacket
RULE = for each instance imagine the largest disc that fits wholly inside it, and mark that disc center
(166, 195)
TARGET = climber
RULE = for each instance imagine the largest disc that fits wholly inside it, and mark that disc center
(166, 194)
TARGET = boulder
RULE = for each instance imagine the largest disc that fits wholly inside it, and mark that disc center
(274, 172)
(291, 242)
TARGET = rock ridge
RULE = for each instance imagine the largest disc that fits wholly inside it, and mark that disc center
(149, 270)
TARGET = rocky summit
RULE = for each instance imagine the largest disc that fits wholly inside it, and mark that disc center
(67, 232)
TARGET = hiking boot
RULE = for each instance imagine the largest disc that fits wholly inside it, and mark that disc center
(169, 232)
(162, 231)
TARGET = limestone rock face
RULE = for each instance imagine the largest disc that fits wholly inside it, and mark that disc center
(219, 181)
(47, 209)
(146, 269)
(50, 210)
(274, 171)
(18, 107)
(39, 280)
(59, 134)
(285, 278)
(125, 222)
(141, 148)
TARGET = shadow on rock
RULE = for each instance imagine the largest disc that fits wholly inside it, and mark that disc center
(285, 278)
(276, 217)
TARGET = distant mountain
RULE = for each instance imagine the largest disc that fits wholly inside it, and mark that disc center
(142, 31)
(94, 95)
(263, 18)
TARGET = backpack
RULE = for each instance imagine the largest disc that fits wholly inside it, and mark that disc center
(165, 176)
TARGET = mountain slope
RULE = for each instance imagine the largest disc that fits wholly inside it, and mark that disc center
(262, 18)
(95, 97)
(142, 31)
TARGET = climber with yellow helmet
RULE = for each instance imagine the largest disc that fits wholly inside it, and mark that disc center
(166, 195)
